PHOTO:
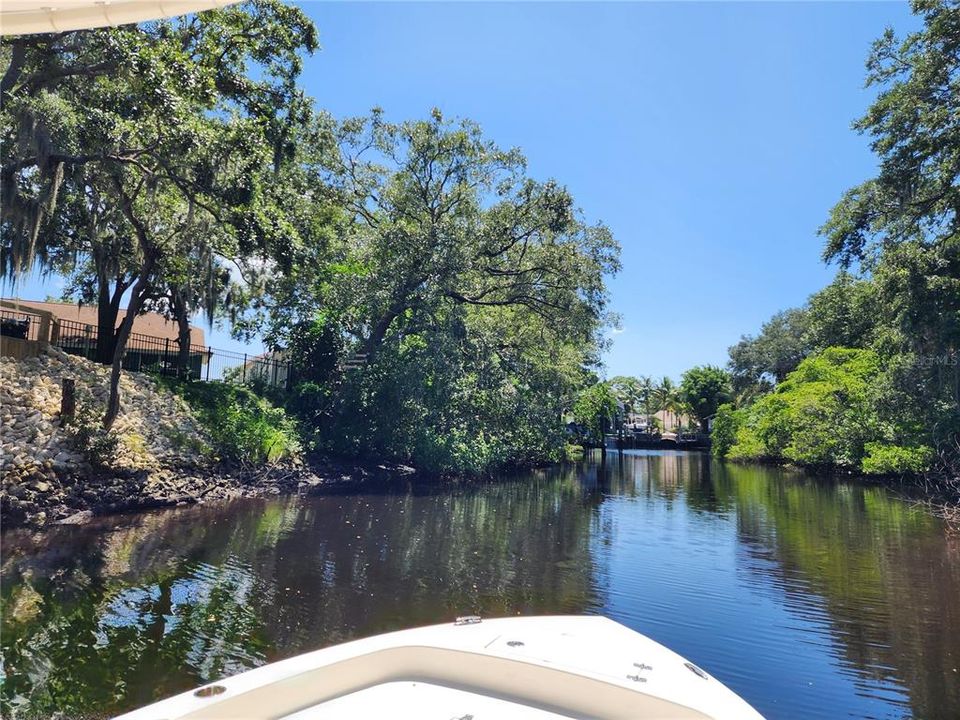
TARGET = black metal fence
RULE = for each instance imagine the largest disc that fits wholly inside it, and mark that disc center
(20, 325)
(146, 353)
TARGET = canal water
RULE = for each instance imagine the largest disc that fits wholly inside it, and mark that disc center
(809, 598)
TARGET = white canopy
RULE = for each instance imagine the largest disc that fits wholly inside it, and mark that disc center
(24, 17)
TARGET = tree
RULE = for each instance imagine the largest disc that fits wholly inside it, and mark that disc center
(776, 351)
(703, 389)
(667, 397)
(916, 196)
(647, 390)
(843, 314)
(629, 392)
(167, 124)
(827, 413)
(902, 227)
(594, 409)
(464, 301)
(473, 229)
(95, 248)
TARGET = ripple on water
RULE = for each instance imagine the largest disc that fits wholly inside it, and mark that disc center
(810, 599)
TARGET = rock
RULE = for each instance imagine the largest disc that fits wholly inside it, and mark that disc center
(42, 470)
(78, 518)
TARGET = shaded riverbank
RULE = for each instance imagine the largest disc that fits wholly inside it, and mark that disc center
(163, 451)
(809, 598)
(53, 496)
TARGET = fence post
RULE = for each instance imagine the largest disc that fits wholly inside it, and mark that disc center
(166, 355)
(43, 335)
(244, 376)
(209, 361)
(68, 400)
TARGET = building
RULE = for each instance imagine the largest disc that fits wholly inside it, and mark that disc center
(153, 343)
(151, 324)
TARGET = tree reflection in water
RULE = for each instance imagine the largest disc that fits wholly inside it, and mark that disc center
(109, 617)
(773, 580)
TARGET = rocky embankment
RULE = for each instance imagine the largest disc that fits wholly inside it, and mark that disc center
(158, 456)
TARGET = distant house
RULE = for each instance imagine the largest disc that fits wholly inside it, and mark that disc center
(665, 420)
(153, 342)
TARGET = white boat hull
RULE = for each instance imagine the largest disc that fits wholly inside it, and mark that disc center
(536, 668)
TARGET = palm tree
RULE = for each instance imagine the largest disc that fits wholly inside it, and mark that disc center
(645, 388)
(627, 390)
(667, 397)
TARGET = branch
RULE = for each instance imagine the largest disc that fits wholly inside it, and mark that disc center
(24, 163)
(17, 58)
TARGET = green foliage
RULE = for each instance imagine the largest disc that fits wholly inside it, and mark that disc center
(195, 445)
(827, 413)
(242, 426)
(144, 160)
(821, 415)
(447, 402)
(915, 196)
(442, 306)
(724, 432)
(843, 314)
(900, 227)
(594, 409)
(315, 348)
(573, 453)
(776, 351)
(98, 446)
(704, 389)
(634, 394)
(881, 459)
(455, 308)
(897, 297)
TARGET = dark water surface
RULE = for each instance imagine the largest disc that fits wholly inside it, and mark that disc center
(810, 599)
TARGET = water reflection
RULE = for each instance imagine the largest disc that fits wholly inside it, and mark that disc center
(811, 599)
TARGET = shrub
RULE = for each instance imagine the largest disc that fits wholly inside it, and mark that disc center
(242, 425)
(883, 459)
(724, 432)
(573, 452)
(98, 446)
(823, 414)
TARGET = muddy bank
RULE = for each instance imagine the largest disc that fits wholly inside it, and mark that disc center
(59, 496)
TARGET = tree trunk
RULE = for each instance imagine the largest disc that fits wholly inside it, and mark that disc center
(108, 309)
(379, 332)
(182, 315)
(140, 289)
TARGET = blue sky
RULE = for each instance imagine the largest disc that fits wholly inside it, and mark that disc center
(711, 138)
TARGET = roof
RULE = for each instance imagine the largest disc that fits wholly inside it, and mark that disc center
(22, 17)
(152, 324)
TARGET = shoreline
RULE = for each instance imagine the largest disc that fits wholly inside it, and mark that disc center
(936, 492)
(57, 496)
(70, 498)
